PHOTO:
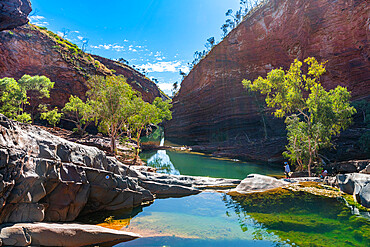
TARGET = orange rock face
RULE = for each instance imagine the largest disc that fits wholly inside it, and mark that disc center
(214, 112)
(29, 50)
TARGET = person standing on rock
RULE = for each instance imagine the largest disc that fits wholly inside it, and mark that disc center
(287, 170)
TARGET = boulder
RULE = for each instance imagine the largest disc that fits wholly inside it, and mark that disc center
(356, 184)
(257, 183)
(46, 234)
(14, 13)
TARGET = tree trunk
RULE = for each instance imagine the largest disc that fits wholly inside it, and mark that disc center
(113, 145)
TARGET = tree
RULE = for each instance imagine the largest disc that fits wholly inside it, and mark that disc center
(113, 104)
(312, 114)
(36, 87)
(85, 44)
(53, 117)
(175, 86)
(211, 42)
(146, 114)
(12, 97)
(183, 74)
(122, 60)
(82, 113)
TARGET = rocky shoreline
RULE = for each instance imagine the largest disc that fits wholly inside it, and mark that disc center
(45, 178)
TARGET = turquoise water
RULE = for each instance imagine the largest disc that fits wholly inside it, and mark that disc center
(278, 218)
(186, 163)
(216, 219)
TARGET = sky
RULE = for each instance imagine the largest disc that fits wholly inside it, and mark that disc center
(158, 35)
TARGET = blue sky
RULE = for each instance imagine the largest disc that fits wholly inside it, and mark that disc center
(158, 35)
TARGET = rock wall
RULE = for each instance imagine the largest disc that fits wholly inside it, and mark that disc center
(14, 13)
(214, 113)
(30, 50)
(148, 89)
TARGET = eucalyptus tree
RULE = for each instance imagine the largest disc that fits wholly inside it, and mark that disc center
(82, 114)
(312, 114)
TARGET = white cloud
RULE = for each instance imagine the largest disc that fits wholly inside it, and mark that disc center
(38, 20)
(158, 54)
(167, 87)
(108, 47)
(80, 37)
(172, 66)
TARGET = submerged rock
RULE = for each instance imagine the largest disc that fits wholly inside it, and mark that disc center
(46, 234)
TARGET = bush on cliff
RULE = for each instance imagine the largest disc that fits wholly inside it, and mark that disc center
(312, 114)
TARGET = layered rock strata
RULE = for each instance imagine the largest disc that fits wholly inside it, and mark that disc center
(214, 113)
(14, 13)
(46, 178)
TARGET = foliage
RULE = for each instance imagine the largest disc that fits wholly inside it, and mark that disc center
(12, 97)
(121, 110)
(113, 105)
(313, 115)
(37, 87)
(82, 113)
(246, 6)
(145, 114)
(53, 117)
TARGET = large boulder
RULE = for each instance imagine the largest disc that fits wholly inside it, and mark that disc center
(257, 183)
(14, 13)
(43, 234)
(356, 184)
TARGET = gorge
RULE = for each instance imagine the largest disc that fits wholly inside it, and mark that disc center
(59, 192)
(213, 112)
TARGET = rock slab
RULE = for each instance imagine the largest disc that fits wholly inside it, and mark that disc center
(257, 183)
(47, 234)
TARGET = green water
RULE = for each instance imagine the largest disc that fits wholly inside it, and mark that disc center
(278, 218)
(202, 165)
(216, 219)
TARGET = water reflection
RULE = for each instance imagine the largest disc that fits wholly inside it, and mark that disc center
(300, 218)
(162, 162)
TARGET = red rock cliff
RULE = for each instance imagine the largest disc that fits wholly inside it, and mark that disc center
(213, 111)
(30, 50)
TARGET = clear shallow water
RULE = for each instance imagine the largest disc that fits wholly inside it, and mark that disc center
(216, 219)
